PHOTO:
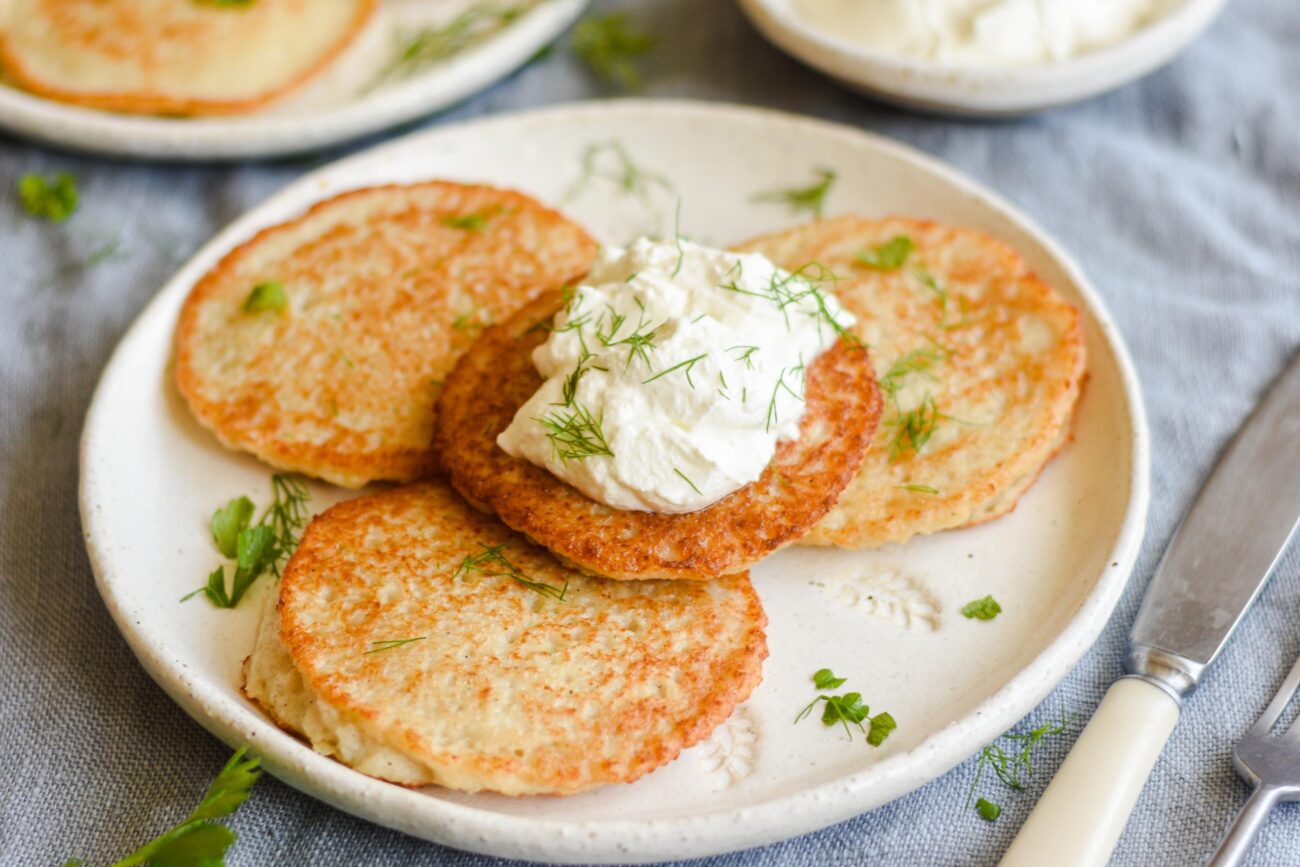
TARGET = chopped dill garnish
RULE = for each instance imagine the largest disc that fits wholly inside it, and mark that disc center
(772, 414)
(389, 644)
(472, 321)
(255, 548)
(746, 354)
(569, 390)
(687, 364)
(610, 46)
(941, 294)
(639, 343)
(914, 428)
(466, 222)
(493, 563)
(1010, 766)
(52, 198)
(677, 239)
(981, 609)
(575, 433)
(343, 357)
(918, 361)
(811, 198)
(889, 256)
(268, 295)
(688, 481)
(630, 178)
(422, 48)
(918, 489)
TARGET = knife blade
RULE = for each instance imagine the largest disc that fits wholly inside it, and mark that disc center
(1218, 560)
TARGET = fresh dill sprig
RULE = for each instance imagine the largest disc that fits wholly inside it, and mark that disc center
(639, 343)
(677, 239)
(472, 321)
(569, 391)
(630, 178)
(772, 414)
(1009, 767)
(255, 548)
(491, 561)
(746, 355)
(918, 489)
(423, 48)
(941, 295)
(889, 256)
(199, 839)
(575, 433)
(918, 361)
(687, 365)
(610, 46)
(811, 198)
(391, 643)
(688, 481)
(914, 428)
(52, 197)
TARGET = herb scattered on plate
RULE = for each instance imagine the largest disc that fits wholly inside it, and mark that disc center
(981, 609)
(848, 709)
(811, 198)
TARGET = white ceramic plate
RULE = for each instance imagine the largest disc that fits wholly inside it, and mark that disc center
(888, 619)
(340, 104)
(992, 91)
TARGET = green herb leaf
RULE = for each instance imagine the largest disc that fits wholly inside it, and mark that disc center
(811, 198)
(687, 480)
(918, 489)
(988, 810)
(228, 522)
(882, 724)
(826, 679)
(889, 256)
(687, 365)
(432, 45)
(52, 197)
(981, 609)
(198, 841)
(466, 222)
(266, 296)
(389, 644)
(492, 562)
(610, 46)
(575, 433)
(1009, 767)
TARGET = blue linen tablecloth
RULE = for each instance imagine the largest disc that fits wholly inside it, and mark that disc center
(1179, 194)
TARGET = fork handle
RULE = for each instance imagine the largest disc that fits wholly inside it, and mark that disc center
(1237, 842)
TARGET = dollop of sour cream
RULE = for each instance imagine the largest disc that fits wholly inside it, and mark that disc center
(672, 374)
(984, 32)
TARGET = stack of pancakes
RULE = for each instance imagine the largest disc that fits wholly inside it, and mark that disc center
(540, 642)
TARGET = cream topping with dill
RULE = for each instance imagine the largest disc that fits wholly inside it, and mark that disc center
(673, 372)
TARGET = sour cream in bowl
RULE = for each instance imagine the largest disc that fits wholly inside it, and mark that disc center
(983, 57)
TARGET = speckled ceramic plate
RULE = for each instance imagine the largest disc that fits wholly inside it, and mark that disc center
(886, 619)
(351, 98)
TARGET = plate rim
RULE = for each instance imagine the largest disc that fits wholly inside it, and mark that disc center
(260, 135)
(624, 841)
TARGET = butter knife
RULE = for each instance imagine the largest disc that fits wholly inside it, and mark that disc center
(1217, 562)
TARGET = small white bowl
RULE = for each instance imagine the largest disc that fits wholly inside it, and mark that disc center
(980, 91)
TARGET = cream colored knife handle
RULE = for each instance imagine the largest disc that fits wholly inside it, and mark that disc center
(1086, 806)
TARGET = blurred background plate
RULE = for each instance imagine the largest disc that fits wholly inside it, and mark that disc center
(991, 91)
(888, 620)
(346, 101)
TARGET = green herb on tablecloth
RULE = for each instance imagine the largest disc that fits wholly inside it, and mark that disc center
(199, 840)
(811, 199)
(610, 46)
(1014, 767)
(256, 548)
(420, 49)
(52, 197)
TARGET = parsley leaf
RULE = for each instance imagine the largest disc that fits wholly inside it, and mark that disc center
(610, 46)
(266, 296)
(988, 810)
(228, 522)
(52, 198)
(826, 679)
(198, 841)
(881, 726)
(981, 609)
(889, 256)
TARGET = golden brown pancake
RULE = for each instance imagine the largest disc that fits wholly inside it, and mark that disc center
(502, 688)
(172, 56)
(382, 289)
(496, 376)
(981, 363)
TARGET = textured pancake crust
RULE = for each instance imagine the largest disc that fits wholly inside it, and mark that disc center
(385, 287)
(172, 56)
(496, 376)
(509, 690)
(980, 358)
